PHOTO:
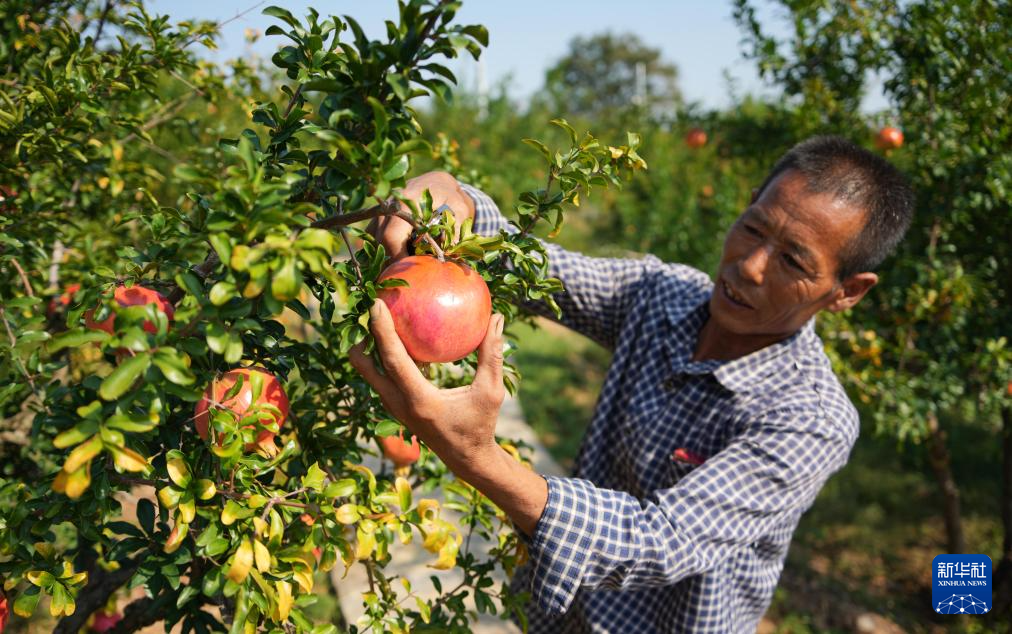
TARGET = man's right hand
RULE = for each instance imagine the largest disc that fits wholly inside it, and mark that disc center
(394, 233)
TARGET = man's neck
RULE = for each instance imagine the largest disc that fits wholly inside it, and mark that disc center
(715, 343)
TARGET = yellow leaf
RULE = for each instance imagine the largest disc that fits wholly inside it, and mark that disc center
(262, 556)
(366, 544)
(304, 578)
(259, 527)
(428, 509)
(73, 485)
(176, 537)
(242, 561)
(169, 497)
(447, 555)
(179, 472)
(205, 489)
(403, 488)
(347, 514)
(83, 453)
(285, 600)
(187, 510)
(129, 460)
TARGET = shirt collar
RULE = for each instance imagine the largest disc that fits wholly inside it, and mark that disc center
(737, 375)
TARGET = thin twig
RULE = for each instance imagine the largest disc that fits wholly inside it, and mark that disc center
(221, 24)
(24, 278)
(281, 500)
(101, 20)
(166, 112)
(291, 103)
(196, 89)
(14, 341)
(351, 254)
(389, 207)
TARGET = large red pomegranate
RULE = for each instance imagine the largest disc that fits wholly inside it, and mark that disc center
(398, 451)
(241, 403)
(132, 296)
(443, 312)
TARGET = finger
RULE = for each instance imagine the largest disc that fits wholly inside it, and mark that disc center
(400, 367)
(488, 375)
(365, 366)
(392, 237)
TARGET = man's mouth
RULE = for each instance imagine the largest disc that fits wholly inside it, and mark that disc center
(733, 295)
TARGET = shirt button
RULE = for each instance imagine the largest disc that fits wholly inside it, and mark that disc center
(671, 383)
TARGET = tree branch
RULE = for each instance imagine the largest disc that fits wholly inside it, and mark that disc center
(24, 278)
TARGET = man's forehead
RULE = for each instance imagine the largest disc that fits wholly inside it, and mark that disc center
(807, 219)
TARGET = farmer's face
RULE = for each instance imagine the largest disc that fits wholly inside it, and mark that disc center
(780, 259)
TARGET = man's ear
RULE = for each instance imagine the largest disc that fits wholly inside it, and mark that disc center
(851, 291)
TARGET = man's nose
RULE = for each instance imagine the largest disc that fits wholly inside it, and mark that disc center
(752, 267)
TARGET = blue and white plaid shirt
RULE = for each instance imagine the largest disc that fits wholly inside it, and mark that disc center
(693, 475)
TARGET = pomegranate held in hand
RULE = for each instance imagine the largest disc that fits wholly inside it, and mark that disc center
(133, 296)
(443, 313)
(271, 394)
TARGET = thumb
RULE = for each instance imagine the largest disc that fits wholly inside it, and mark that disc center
(488, 375)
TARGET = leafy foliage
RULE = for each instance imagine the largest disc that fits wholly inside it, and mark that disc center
(245, 240)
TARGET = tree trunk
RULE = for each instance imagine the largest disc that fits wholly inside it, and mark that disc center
(1002, 581)
(941, 465)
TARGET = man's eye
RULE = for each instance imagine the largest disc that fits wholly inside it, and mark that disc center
(752, 230)
(794, 263)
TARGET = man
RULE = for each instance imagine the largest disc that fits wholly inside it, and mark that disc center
(719, 420)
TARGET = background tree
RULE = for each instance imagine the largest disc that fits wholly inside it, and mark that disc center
(944, 308)
(608, 74)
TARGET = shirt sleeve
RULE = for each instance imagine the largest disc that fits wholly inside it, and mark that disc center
(598, 291)
(597, 538)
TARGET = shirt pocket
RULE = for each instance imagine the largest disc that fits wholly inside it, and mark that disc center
(682, 462)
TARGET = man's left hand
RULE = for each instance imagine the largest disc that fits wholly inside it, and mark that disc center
(459, 423)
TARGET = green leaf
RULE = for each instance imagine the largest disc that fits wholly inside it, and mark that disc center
(387, 427)
(173, 366)
(146, 515)
(341, 489)
(233, 511)
(137, 423)
(222, 292)
(246, 154)
(188, 593)
(540, 147)
(286, 281)
(314, 477)
(222, 246)
(316, 239)
(124, 376)
(281, 14)
(76, 338)
(24, 605)
(76, 434)
(191, 283)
